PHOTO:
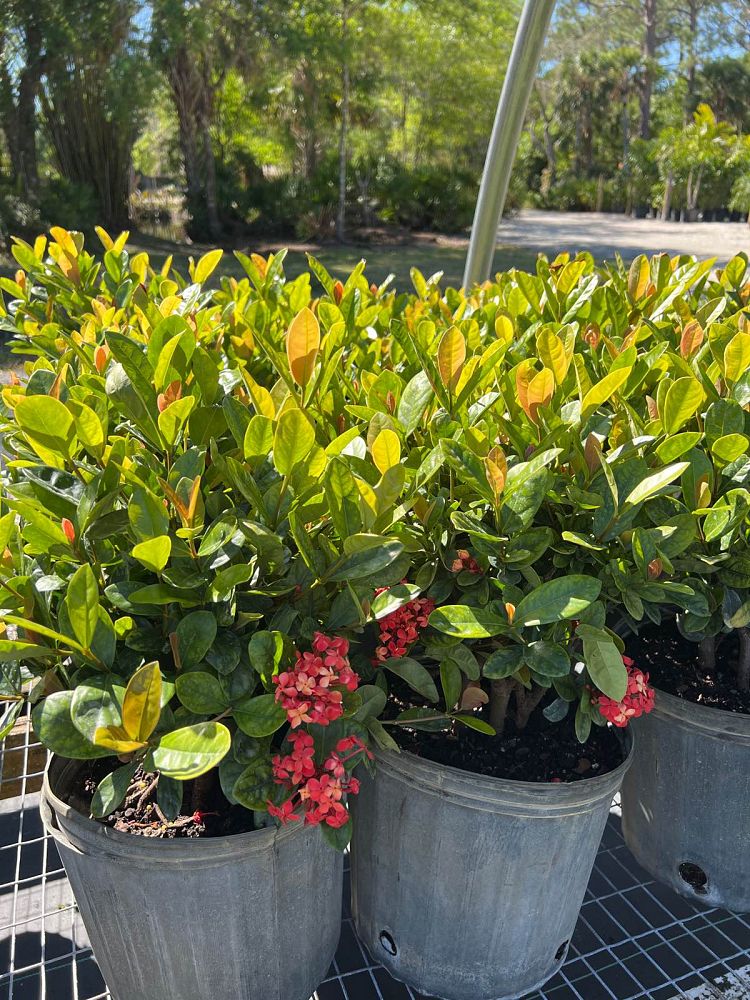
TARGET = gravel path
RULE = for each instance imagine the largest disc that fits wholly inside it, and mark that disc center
(604, 235)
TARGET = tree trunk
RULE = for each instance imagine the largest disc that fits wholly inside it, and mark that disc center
(344, 132)
(18, 115)
(707, 652)
(667, 203)
(648, 51)
(691, 58)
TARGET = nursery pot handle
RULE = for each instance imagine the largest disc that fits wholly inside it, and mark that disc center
(49, 819)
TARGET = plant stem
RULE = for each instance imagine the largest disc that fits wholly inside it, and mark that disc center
(707, 652)
(526, 702)
(743, 660)
(500, 692)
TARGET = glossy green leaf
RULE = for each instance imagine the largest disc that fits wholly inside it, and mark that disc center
(82, 602)
(465, 622)
(191, 751)
(293, 441)
(604, 662)
(201, 692)
(196, 633)
(564, 597)
(415, 675)
(259, 716)
(54, 726)
(112, 789)
(154, 553)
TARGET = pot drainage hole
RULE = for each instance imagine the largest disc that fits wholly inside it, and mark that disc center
(387, 943)
(561, 951)
(694, 875)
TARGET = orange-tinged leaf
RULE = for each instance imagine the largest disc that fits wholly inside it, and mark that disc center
(302, 345)
(496, 470)
(117, 739)
(691, 339)
(639, 277)
(524, 375)
(260, 263)
(451, 354)
(141, 704)
(541, 389)
(63, 238)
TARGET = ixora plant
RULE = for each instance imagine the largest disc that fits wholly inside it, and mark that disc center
(176, 541)
(697, 401)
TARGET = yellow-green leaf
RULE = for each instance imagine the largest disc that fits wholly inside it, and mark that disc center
(293, 441)
(639, 277)
(602, 391)
(682, 400)
(451, 355)
(302, 345)
(552, 353)
(386, 450)
(153, 553)
(206, 266)
(737, 357)
(141, 704)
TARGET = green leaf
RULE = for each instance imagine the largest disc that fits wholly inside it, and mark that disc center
(342, 496)
(557, 599)
(173, 418)
(169, 796)
(191, 751)
(48, 426)
(96, 703)
(473, 722)
(54, 726)
(255, 785)
(366, 561)
(154, 553)
(392, 599)
(450, 678)
(602, 391)
(415, 675)
(503, 663)
(112, 789)
(147, 515)
(415, 398)
(265, 651)
(259, 716)
(582, 724)
(258, 439)
(82, 602)
(196, 633)
(651, 485)
(604, 661)
(683, 398)
(673, 447)
(373, 702)
(201, 692)
(337, 837)
(293, 441)
(547, 658)
(465, 622)
(730, 447)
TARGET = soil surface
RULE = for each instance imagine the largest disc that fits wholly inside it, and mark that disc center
(674, 666)
(139, 813)
(543, 751)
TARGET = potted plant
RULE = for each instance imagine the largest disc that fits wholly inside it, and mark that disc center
(169, 565)
(686, 802)
(508, 634)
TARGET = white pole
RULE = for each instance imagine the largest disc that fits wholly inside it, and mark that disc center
(511, 110)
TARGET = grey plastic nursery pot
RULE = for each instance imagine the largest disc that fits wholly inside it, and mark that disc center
(254, 915)
(469, 887)
(686, 801)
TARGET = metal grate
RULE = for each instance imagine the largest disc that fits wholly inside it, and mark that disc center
(634, 939)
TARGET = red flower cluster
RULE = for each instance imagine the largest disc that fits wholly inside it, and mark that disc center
(319, 793)
(639, 698)
(400, 629)
(465, 561)
(311, 692)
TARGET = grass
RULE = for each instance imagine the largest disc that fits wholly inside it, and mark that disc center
(428, 253)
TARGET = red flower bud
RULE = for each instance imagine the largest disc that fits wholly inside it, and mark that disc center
(338, 291)
(68, 529)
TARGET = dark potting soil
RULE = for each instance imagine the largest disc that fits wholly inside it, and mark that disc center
(674, 666)
(139, 812)
(543, 751)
